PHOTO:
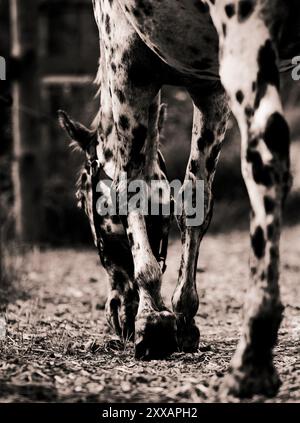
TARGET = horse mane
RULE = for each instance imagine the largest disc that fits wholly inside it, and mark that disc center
(97, 81)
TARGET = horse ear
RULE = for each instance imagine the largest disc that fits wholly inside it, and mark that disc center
(76, 131)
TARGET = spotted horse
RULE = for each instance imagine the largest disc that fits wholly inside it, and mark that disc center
(228, 55)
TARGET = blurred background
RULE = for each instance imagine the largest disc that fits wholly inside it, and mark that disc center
(51, 50)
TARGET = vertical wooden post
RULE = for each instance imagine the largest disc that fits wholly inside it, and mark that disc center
(25, 126)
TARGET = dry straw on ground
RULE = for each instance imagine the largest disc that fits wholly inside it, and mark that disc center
(57, 346)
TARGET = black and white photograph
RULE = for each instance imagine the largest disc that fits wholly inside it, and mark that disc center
(149, 204)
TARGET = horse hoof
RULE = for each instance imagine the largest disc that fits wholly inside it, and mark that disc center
(155, 336)
(251, 380)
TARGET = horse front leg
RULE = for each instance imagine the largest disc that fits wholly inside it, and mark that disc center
(133, 91)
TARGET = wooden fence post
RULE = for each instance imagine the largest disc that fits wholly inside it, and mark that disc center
(25, 125)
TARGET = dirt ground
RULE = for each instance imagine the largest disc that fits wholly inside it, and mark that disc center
(56, 345)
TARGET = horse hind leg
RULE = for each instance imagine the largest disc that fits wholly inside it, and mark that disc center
(210, 118)
(249, 73)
